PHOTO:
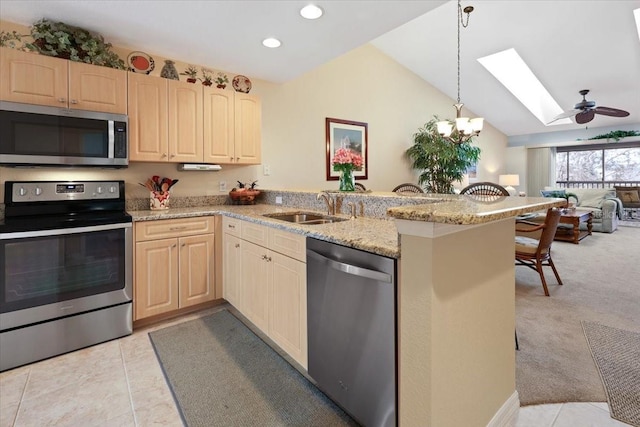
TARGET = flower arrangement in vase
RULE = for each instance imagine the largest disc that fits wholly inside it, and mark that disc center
(346, 161)
(191, 72)
(221, 80)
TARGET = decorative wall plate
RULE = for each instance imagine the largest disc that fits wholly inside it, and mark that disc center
(241, 84)
(140, 62)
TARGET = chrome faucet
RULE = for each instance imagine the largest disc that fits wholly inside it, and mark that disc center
(331, 208)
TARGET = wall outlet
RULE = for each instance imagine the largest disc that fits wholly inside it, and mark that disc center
(266, 170)
(278, 200)
(223, 186)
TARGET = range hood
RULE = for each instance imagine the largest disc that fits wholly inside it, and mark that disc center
(198, 167)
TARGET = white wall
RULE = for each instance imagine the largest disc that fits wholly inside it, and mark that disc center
(367, 86)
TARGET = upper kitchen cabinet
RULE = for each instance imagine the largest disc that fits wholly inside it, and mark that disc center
(232, 127)
(43, 80)
(165, 120)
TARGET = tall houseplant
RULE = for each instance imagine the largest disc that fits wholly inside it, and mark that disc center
(439, 161)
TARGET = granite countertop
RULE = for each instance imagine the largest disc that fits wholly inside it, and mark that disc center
(468, 210)
(378, 236)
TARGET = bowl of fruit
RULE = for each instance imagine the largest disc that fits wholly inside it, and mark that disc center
(244, 194)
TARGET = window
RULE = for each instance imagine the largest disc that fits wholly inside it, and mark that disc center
(598, 164)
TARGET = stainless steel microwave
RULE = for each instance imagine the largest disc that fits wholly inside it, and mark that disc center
(34, 135)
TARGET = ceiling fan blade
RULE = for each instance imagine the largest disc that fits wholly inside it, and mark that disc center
(585, 116)
(569, 113)
(608, 111)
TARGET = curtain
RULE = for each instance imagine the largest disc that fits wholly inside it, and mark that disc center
(541, 169)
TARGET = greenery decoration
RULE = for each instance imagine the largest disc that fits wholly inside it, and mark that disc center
(616, 135)
(73, 43)
(207, 77)
(191, 72)
(10, 39)
(439, 161)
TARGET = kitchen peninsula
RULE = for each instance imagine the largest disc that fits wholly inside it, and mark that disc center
(456, 298)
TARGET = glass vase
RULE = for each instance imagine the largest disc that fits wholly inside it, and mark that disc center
(347, 180)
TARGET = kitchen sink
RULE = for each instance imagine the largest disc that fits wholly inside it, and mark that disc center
(306, 218)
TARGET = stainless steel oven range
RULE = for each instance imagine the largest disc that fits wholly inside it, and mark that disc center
(65, 268)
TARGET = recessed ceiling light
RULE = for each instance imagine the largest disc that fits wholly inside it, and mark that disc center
(271, 42)
(311, 11)
(510, 70)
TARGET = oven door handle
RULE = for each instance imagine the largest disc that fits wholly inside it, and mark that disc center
(63, 231)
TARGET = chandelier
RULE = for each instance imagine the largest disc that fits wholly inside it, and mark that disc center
(463, 128)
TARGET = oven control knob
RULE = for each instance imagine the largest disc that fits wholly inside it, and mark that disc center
(38, 191)
(112, 189)
(99, 190)
(22, 191)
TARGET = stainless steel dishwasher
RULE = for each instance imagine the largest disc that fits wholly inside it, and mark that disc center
(351, 302)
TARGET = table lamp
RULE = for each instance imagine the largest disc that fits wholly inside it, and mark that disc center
(508, 181)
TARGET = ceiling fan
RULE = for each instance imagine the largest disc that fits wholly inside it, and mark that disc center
(586, 110)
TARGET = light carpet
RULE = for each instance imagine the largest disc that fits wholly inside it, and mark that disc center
(601, 284)
(222, 374)
(616, 353)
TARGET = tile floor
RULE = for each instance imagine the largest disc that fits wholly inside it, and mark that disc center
(120, 383)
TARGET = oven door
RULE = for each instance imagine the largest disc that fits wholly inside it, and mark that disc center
(50, 274)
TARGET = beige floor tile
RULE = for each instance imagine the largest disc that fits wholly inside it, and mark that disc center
(147, 384)
(59, 372)
(163, 414)
(136, 346)
(124, 420)
(8, 415)
(93, 401)
(602, 405)
(538, 415)
(585, 415)
(11, 388)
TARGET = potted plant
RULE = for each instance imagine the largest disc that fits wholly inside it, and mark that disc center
(207, 78)
(439, 161)
(191, 72)
(221, 80)
(73, 43)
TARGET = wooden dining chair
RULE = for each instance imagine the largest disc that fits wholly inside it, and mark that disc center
(360, 187)
(484, 189)
(536, 252)
(408, 188)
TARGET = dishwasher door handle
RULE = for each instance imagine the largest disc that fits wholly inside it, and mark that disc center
(351, 269)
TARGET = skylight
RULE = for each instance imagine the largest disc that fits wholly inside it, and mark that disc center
(510, 70)
(636, 13)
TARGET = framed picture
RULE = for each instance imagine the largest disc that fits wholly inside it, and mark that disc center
(346, 134)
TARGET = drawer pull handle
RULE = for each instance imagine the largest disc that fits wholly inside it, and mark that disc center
(237, 245)
(232, 226)
(177, 228)
(183, 245)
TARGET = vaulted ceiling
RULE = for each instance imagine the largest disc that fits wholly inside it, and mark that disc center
(569, 45)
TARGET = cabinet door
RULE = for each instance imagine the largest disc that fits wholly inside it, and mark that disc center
(156, 281)
(255, 284)
(218, 126)
(288, 306)
(147, 103)
(248, 132)
(197, 278)
(97, 88)
(185, 122)
(33, 79)
(232, 270)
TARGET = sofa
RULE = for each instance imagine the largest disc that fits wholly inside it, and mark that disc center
(606, 207)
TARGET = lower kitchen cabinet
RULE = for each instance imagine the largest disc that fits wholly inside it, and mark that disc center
(269, 286)
(174, 265)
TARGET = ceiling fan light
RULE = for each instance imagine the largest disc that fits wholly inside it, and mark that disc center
(444, 128)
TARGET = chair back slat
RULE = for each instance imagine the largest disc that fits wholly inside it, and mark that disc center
(484, 189)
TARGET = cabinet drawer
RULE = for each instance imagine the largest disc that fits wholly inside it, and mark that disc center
(289, 244)
(255, 233)
(232, 226)
(161, 229)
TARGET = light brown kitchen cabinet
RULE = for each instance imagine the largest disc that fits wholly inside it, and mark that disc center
(272, 290)
(165, 120)
(232, 127)
(44, 80)
(174, 265)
